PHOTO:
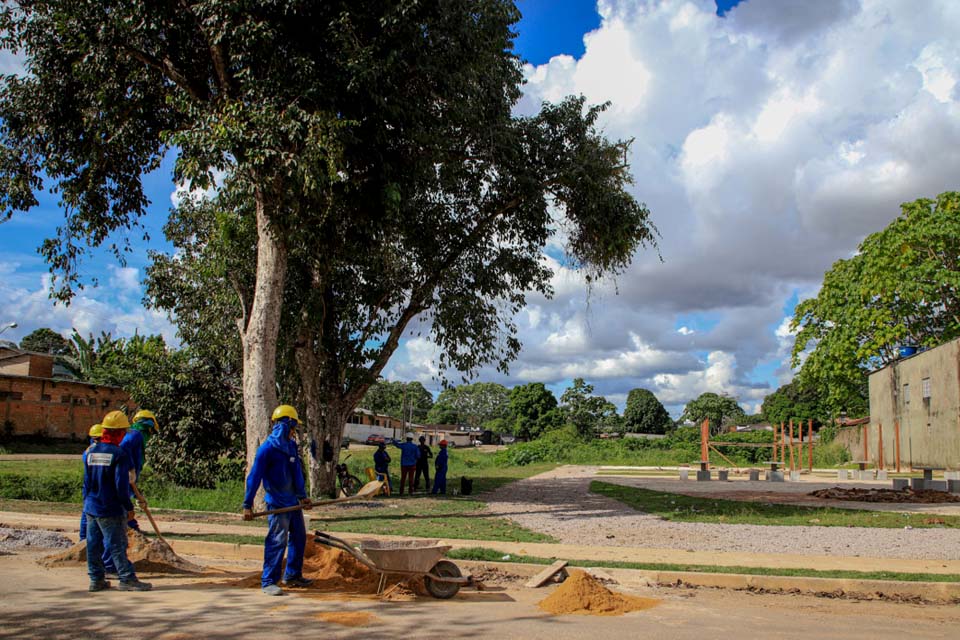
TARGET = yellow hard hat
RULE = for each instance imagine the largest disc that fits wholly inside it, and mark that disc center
(144, 414)
(284, 411)
(95, 431)
(115, 420)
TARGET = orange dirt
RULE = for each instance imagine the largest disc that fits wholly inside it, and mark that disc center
(582, 594)
(348, 618)
(148, 555)
(333, 570)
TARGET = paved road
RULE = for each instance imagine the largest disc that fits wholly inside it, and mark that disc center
(53, 603)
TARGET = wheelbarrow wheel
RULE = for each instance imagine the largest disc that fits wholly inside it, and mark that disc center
(351, 485)
(443, 590)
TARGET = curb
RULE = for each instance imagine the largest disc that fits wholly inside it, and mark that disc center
(938, 592)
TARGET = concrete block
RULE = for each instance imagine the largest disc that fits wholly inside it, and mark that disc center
(899, 484)
(775, 476)
(703, 476)
(794, 476)
(951, 475)
(841, 474)
(881, 474)
(754, 474)
(918, 484)
(723, 475)
(684, 474)
(866, 474)
(938, 485)
(953, 486)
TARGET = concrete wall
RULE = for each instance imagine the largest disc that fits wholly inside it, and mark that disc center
(58, 408)
(922, 393)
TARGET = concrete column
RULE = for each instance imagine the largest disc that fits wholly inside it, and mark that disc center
(899, 484)
(723, 475)
(703, 476)
(918, 484)
(953, 486)
(754, 475)
(841, 474)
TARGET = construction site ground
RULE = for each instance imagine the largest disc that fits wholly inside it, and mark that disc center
(53, 602)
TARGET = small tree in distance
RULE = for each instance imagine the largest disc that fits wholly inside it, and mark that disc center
(645, 414)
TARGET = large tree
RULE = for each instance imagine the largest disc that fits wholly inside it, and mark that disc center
(588, 413)
(375, 171)
(46, 340)
(402, 400)
(722, 410)
(644, 413)
(532, 408)
(901, 288)
(790, 402)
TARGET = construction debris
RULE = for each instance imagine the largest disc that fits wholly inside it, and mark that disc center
(147, 555)
(582, 594)
(908, 495)
(19, 538)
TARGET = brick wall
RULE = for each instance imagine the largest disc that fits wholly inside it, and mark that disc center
(58, 408)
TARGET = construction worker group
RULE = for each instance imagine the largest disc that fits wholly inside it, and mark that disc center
(115, 458)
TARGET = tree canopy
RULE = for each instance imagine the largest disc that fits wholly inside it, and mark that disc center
(471, 404)
(644, 413)
(533, 410)
(401, 400)
(588, 413)
(722, 410)
(790, 402)
(901, 288)
(46, 340)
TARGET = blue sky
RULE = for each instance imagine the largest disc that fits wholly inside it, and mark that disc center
(770, 136)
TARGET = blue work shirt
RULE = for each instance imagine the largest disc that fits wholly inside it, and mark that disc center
(441, 461)
(380, 460)
(409, 453)
(277, 465)
(106, 481)
(135, 446)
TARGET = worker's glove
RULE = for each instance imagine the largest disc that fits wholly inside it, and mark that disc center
(143, 503)
(248, 514)
(306, 504)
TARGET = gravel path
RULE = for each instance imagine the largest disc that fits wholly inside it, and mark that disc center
(559, 503)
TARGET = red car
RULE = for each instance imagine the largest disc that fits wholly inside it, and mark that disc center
(375, 440)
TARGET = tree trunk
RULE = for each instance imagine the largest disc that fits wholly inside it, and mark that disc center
(259, 336)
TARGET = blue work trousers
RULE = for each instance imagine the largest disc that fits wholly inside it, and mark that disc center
(108, 535)
(440, 482)
(287, 532)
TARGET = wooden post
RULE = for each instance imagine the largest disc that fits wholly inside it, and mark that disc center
(896, 442)
(880, 444)
(783, 437)
(792, 463)
(705, 439)
(810, 444)
(866, 449)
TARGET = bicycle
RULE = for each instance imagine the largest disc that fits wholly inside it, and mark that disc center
(349, 484)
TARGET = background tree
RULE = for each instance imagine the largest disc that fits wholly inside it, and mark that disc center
(531, 408)
(444, 410)
(589, 414)
(401, 400)
(790, 402)
(370, 148)
(901, 288)
(46, 340)
(722, 410)
(644, 413)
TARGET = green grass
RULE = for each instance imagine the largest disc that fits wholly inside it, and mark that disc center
(54, 447)
(681, 508)
(491, 555)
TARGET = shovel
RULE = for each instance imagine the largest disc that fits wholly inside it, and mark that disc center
(367, 490)
(143, 503)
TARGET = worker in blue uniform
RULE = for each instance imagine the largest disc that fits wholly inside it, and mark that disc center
(135, 444)
(409, 454)
(94, 433)
(277, 466)
(440, 465)
(106, 501)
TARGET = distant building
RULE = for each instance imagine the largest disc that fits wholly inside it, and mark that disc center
(921, 394)
(38, 398)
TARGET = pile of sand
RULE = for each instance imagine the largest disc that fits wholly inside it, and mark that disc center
(148, 555)
(582, 594)
(333, 570)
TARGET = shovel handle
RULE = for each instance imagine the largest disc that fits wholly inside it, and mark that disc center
(146, 510)
(298, 507)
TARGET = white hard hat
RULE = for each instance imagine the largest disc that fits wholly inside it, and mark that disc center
(409, 435)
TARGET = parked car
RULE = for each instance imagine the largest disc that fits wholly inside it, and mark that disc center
(345, 443)
(375, 440)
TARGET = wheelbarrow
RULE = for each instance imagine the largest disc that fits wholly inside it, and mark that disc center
(412, 558)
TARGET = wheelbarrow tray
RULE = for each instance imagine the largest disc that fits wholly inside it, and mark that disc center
(404, 556)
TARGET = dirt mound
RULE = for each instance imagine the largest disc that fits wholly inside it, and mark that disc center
(19, 538)
(582, 594)
(333, 570)
(908, 495)
(347, 618)
(148, 555)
